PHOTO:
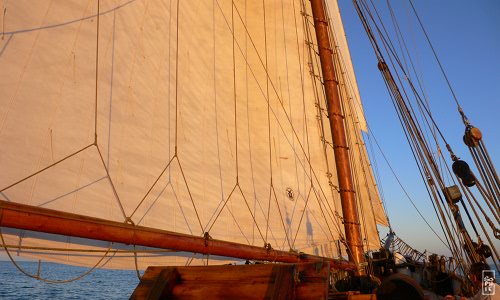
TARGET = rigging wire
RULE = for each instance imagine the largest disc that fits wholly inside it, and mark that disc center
(406, 71)
(469, 195)
(390, 50)
(319, 193)
(295, 134)
(447, 168)
(435, 54)
(353, 144)
(316, 97)
(408, 120)
(480, 166)
(356, 118)
(234, 92)
(405, 191)
(318, 86)
(96, 70)
(460, 229)
(372, 40)
(268, 121)
(492, 185)
(307, 157)
(378, 180)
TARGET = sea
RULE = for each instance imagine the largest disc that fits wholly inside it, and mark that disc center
(99, 284)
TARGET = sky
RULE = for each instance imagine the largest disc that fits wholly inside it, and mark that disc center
(466, 37)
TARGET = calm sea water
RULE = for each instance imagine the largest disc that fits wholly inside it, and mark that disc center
(100, 284)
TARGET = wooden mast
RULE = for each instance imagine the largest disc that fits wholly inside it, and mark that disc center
(346, 187)
(21, 216)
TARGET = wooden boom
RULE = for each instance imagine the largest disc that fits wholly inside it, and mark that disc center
(20, 216)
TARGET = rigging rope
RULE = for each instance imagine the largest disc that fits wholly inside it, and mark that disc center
(404, 190)
(96, 70)
(314, 61)
(4, 245)
(410, 122)
(435, 54)
(328, 213)
(270, 82)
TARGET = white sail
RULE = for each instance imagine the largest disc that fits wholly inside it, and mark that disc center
(197, 129)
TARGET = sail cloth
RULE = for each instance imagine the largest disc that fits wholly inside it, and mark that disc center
(197, 129)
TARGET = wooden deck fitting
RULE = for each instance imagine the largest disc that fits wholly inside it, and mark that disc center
(261, 281)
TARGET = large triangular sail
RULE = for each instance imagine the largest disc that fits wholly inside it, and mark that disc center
(197, 118)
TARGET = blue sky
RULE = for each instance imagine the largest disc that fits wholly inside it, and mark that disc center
(466, 36)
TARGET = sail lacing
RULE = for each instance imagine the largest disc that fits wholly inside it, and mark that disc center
(321, 115)
(208, 161)
(281, 102)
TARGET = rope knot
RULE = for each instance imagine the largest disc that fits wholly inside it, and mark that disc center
(207, 237)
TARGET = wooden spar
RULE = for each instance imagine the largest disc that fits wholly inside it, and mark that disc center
(346, 187)
(21, 216)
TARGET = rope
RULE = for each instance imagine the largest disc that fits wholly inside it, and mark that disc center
(404, 190)
(115, 193)
(46, 168)
(268, 119)
(392, 54)
(116, 251)
(485, 153)
(302, 215)
(307, 157)
(281, 219)
(50, 280)
(189, 193)
(469, 195)
(347, 110)
(96, 70)
(176, 79)
(487, 173)
(136, 265)
(435, 54)
(234, 91)
(406, 113)
(151, 187)
(269, 81)
(314, 57)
